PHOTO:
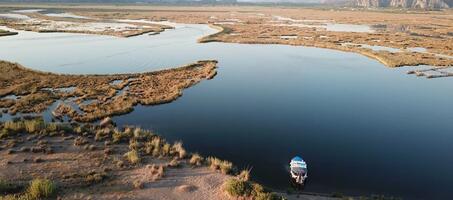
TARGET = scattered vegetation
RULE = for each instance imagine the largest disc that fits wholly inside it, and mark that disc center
(95, 177)
(133, 157)
(241, 186)
(217, 164)
(237, 188)
(179, 150)
(41, 188)
(35, 125)
(137, 142)
(38, 189)
(138, 184)
(196, 160)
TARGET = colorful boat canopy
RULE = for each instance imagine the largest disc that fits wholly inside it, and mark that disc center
(297, 162)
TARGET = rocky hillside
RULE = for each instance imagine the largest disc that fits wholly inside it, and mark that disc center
(423, 4)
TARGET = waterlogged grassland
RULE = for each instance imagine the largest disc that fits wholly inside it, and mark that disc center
(333, 29)
(318, 28)
(37, 22)
(94, 96)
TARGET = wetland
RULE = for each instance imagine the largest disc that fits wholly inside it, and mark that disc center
(362, 123)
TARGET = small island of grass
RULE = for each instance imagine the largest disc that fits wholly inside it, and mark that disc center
(7, 33)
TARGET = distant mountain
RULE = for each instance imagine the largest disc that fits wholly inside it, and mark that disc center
(423, 4)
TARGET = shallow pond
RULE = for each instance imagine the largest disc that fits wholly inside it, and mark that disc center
(363, 128)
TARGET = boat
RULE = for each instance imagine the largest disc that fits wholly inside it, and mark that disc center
(298, 170)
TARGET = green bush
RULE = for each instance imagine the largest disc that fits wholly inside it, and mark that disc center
(238, 188)
(40, 188)
(133, 157)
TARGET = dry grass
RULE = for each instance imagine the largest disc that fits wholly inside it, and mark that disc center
(244, 175)
(37, 189)
(138, 184)
(179, 150)
(217, 164)
(41, 188)
(95, 177)
(133, 157)
(196, 160)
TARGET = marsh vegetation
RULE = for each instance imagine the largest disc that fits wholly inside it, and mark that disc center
(149, 88)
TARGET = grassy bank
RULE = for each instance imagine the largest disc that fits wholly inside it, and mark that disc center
(62, 160)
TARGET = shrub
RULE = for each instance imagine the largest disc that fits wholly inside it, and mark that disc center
(174, 163)
(179, 150)
(118, 136)
(133, 144)
(216, 164)
(95, 177)
(133, 157)
(238, 188)
(241, 188)
(158, 147)
(141, 134)
(166, 149)
(267, 196)
(79, 141)
(244, 175)
(35, 125)
(14, 126)
(196, 160)
(153, 146)
(138, 184)
(4, 133)
(101, 134)
(41, 188)
(52, 127)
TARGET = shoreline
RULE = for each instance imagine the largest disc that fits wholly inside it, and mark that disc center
(126, 162)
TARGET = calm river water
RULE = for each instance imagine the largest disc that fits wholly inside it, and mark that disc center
(363, 128)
